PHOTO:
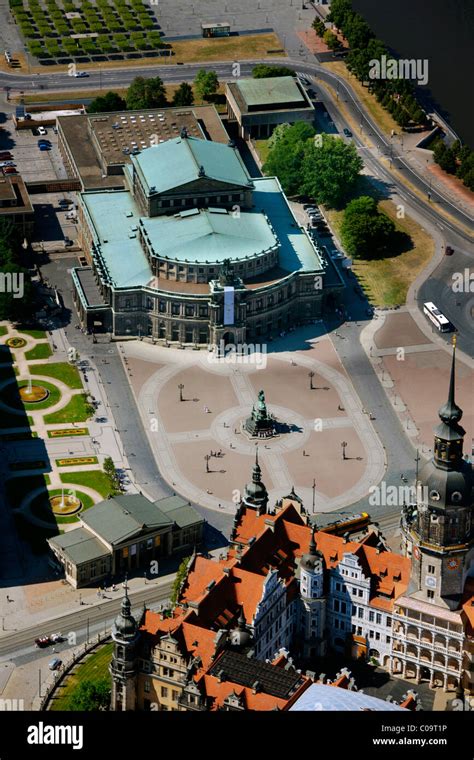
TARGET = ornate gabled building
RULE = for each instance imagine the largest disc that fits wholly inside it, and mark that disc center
(433, 622)
(283, 588)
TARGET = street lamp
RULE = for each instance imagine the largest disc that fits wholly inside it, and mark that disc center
(344, 444)
(207, 458)
(314, 493)
(311, 375)
(181, 388)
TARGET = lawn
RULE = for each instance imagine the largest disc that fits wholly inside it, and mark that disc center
(86, 500)
(386, 281)
(53, 398)
(19, 487)
(39, 334)
(94, 666)
(230, 48)
(262, 149)
(77, 410)
(95, 479)
(41, 351)
(63, 371)
(3, 330)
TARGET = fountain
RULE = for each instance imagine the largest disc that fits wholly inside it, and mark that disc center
(33, 394)
(64, 506)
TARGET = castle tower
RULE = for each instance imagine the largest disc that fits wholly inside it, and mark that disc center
(255, 493)
(123, 667)
(311, 572)
(439, 535)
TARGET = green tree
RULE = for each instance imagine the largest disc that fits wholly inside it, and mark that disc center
(206, 84)
(285, 158)
(341, 12)
(277, 134)
(365, 231)
(90, 696)
(331, 40)
(183, 95)
(262, 70)
(111, 101)
(330, 169)
(319, 26)
(111, 472)
(146, 93)
(180, 576)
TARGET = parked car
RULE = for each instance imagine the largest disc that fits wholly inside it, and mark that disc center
(101, 419)
(80, 74)
(6, 163)
(44, 146)
(42, 131)
(64, 202)
(5, 155)
(55, 664)
(43, 641)
(56, 638)
(449, 250)
(10, 170)
(347, 132)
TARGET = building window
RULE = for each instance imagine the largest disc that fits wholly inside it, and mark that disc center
(189, 311)
(336, 605)
(371, 616)
(343, 607)
(360, 612)
(377, 636)
(430, 594)
(360, 592)
(175, 695)
(162, 306)
(338, 586)
(387, 639)
(431, 569)
(378, 618)
(146, 686)
(175, 308)
(164, 691)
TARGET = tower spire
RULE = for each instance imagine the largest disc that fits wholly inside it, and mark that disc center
(450, 412)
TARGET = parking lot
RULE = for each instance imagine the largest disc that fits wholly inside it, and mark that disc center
(32, 163)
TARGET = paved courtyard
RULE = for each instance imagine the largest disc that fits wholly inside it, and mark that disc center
(217, 397)
(415, 373)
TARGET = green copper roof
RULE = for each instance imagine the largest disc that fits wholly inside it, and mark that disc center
(123, 517)
(270, 90)
(179, 510)
(297, 251)
(114, 217)
(209, 235)
(79, 546)
(177, 162)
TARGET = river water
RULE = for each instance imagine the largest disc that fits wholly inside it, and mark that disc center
(441, 31)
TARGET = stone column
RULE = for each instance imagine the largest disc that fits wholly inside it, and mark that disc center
(418, 677)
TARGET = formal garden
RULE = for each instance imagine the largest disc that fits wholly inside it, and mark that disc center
(63, 31)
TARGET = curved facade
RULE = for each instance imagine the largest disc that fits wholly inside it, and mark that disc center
(197, 252)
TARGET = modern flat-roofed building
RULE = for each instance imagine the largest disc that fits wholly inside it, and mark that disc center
(15, 203)
(195, 251)
(259, 105)
(96, 147)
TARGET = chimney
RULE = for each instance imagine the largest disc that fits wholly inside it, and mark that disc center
(226, 570)
(256, 686)
(346, 537)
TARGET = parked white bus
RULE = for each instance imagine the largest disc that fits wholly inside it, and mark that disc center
(439, 320)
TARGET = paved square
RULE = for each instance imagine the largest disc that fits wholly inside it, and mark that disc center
(218, 396)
